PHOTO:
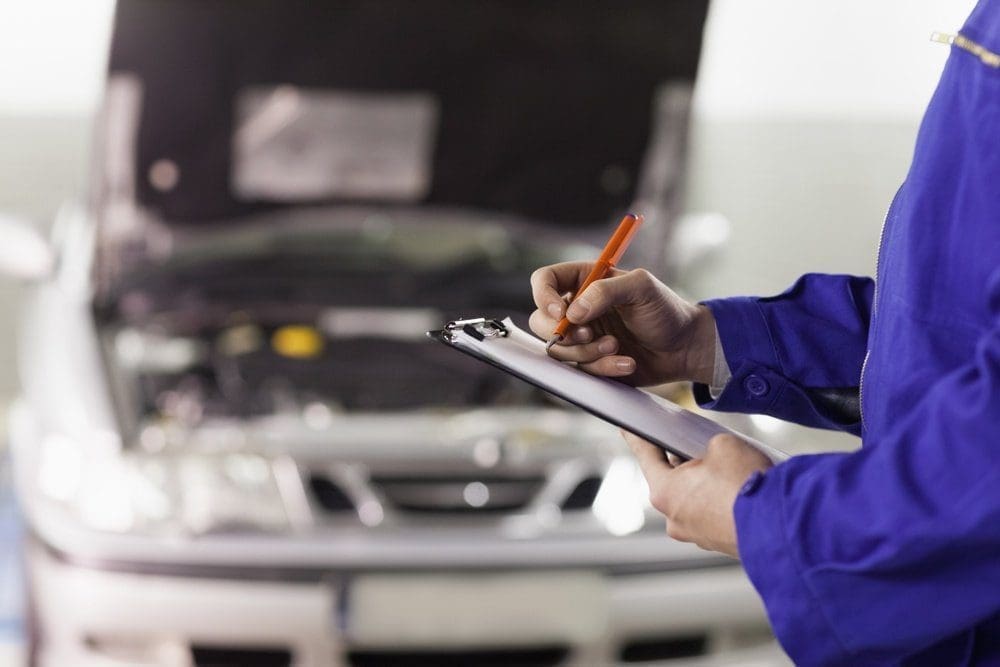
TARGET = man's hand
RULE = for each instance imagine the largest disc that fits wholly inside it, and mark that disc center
(628, 325)
(697, 496)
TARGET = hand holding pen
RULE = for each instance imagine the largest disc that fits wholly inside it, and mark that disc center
(623, 324)
(612, 253)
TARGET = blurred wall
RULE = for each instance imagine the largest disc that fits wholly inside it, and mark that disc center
(52, 55)
(850, 60)
(42, 161)
(51, 66)
(805, 118)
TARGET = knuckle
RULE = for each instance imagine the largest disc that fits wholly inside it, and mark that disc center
(658, 499)
(674, 531)
(637, 283)
(643, 276)
(722, 441)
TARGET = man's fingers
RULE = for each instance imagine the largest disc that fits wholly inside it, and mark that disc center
(596, 357)
(651, 459)
(590, 352)
(543, 326)
(614, 366)
(550, 283)
(649, 454)
(657, 471)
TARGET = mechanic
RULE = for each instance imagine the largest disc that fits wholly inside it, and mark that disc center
(890, 554)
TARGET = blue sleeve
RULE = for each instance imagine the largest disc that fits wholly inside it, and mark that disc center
(796, 356)
(892, 548)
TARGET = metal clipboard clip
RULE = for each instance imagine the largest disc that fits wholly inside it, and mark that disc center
(479, 328)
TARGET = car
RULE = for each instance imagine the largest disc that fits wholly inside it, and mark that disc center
(234, 443)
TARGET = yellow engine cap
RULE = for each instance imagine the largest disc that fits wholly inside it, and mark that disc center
(297, 341)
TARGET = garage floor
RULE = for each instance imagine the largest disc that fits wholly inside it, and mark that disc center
(10, 576)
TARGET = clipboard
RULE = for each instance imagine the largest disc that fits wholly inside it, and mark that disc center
(664, 423)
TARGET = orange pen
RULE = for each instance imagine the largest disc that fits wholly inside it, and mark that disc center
(613, 251)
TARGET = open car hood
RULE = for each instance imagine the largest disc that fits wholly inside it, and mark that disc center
(558, 113)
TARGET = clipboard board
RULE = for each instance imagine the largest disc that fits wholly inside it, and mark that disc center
(664, 423)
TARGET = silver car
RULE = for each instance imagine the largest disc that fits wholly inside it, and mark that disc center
(234, 444)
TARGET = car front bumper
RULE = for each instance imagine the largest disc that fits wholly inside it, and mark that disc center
(91, 615)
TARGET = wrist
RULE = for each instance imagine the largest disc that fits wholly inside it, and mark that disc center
(701, 350)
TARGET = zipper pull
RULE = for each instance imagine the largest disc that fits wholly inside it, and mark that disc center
(986, 56)
(942, 37)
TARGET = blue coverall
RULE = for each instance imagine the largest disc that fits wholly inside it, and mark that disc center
(891, 554)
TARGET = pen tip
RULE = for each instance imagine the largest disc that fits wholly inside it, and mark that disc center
(552, 341)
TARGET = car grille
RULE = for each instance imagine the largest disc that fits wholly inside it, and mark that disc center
(462, 493)
(457, 493)
(657, 649)
(533, 657)
(583, 494)
(239, 656)
(329, 495)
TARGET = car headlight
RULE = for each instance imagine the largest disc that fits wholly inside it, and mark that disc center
(162, 493)
(229, 491)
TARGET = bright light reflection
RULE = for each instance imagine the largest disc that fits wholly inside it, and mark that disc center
(61, 469)
(486, 452)
(620, 503)
(370, 513)
(476, 494)
(767, 424)
(147, 490)
(247, 470)
(153, 438)
(104, 499)
(317, 416)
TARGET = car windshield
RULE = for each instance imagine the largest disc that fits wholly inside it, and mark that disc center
(258, 322)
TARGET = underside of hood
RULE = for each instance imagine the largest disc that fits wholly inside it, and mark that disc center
(561, 113)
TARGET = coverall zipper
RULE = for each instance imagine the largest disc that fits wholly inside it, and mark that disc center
(988, 58)
(985, 55)
(871, 319)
